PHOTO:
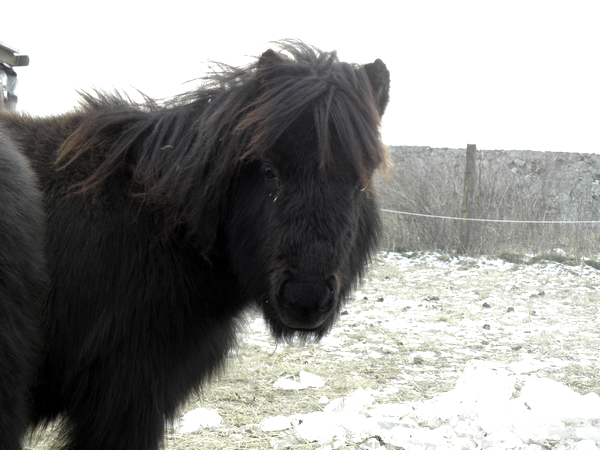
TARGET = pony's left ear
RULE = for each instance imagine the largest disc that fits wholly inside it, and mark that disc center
(266, 62)
(379, 76)
(268, 58)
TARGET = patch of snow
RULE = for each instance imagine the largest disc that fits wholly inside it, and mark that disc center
(197, 419)
(307, 380)
(484, 410)
(276, 423)
(311, 380)
(552, 401)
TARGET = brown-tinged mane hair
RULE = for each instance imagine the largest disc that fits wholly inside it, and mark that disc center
(183, 153)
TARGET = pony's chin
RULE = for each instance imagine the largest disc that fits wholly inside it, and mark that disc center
(302, 324)
(289, 330)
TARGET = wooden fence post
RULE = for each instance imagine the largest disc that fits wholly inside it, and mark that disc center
(467, 200)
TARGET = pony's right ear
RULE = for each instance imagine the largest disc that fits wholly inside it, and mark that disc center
(269, 58)
(265, 70)
(379, 76)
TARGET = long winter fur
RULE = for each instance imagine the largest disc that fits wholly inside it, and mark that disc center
(167, 221)
(22, 280)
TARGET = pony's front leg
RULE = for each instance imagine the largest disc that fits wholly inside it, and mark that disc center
(117, 424)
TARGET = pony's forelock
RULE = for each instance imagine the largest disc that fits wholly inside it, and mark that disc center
(338, 95)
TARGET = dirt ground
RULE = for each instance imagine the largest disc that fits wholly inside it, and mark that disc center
(417, 320)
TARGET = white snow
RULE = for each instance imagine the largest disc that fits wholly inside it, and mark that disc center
(276, 423)
(484, 410)
(197, 419)
(307, 380)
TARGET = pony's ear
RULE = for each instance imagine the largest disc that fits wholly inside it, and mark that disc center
(379, 76)
(265, 65)
(269, 58)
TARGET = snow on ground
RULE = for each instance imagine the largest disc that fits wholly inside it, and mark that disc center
(445, 353)
(483, 410)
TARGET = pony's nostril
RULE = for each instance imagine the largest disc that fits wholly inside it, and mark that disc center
(283, 284)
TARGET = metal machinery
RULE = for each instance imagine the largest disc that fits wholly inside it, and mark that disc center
(9, 58)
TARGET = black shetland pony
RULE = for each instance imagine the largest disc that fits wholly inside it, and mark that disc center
(165, 222)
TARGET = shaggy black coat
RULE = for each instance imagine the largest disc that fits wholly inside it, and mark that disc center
(22, 280)
(167, 221)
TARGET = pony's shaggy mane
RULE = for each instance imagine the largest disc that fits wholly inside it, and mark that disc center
(202, 137)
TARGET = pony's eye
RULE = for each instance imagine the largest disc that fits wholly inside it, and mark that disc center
(269, 172)
(360, 187)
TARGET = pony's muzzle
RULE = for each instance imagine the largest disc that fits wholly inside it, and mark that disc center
(305, 304)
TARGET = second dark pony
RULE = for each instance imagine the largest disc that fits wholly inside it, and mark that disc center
(22, 281)
(167, 221)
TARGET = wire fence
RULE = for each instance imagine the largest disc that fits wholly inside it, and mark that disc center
(489, 220)
(405, 231)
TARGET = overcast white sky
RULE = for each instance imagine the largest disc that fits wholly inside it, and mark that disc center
(500, 74)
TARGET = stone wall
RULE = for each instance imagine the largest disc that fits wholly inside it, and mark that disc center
(568, 182)
(512, 188)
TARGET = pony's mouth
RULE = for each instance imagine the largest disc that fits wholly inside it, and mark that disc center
(304, 305)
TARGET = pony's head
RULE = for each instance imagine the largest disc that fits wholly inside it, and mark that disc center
(302, 216)
(268, 166)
